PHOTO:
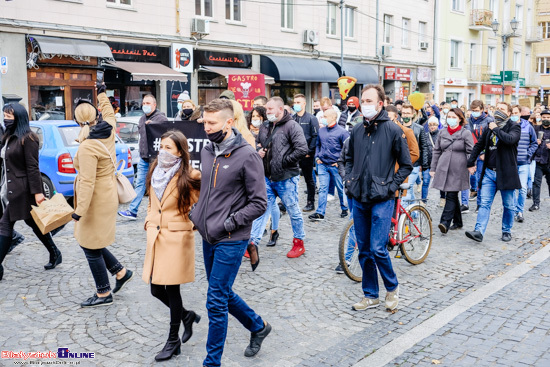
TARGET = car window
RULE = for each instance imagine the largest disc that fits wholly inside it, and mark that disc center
(129, 133)
(38, 131)
(69, 134)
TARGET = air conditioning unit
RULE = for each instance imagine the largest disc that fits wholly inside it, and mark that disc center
(200, 26)
(311, 37)
(423, 45)
(386, 50)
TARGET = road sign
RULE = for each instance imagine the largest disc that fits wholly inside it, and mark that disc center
(521, 82)
(3, 65)
(510, 75)
(496, 79)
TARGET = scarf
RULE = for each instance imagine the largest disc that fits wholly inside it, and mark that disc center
(451, 130)
(500, 118)
(165, 170)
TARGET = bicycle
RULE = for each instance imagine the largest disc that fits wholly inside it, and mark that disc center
(410, 234)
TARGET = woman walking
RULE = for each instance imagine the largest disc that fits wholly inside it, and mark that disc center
(448, 167)
(21, 183)
(173, 188)
(95, 197)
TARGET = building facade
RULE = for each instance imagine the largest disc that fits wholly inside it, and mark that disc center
(541, 61)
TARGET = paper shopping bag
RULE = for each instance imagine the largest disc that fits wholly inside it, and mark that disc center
(52, 213)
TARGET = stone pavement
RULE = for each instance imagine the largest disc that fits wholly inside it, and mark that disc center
(308, 305)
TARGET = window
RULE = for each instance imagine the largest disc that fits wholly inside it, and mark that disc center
(120, 2)
(493, 6)
(287, 14)
(458, 5)
(472, 53)
(491, 59)
(422, 27)
(331, 19)
(545, 29)
(517, 61)
(388, 20)
(490, 99)
(455, 54)
(543, 65)
(47, 103)
(519, 13)
(349, 26)
(233, 10)
(203, 8)
(449, 96)
(406, 30)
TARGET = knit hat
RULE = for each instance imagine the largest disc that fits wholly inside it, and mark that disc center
(433, 119)
(500, 116)
(354, 101)
(228, 95)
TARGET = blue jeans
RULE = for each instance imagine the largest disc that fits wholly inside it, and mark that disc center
(521, 194)
(488, 191)
(352, 238)
(327, 172)
(531, 178)
(407, 200)
(287, 190)
(372, 227)
(465, 196)
(275, 217)
(477, 175)
(221, 263)
(142, 170)
(426, 178)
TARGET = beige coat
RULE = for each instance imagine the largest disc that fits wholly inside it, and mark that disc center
(95, 191)
(170, 253)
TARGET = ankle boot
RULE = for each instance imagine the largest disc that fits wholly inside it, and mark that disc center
(188, 318)
(172, 346)
(55, 254)
(273, 239)
(5, 243)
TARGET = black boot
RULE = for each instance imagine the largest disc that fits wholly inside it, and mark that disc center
(55, 254)
(273, 239)
(172, 346)
(188, 318)
(16, 239)
(5, 243)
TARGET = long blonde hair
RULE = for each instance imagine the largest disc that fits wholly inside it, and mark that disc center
(240, 124)
(86, 116)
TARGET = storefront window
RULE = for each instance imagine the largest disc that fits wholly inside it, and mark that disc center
(134, 96)
(82, 93)
(287, 91)
(211, 85)
(47, 103)
(450, 96)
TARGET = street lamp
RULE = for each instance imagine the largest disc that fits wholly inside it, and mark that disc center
(514, 23)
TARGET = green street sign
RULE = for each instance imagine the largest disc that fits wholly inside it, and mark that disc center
(522, 82)
(509, 75)
(496, 79)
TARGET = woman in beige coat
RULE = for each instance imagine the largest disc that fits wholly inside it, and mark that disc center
(173, 188)
(95, 196)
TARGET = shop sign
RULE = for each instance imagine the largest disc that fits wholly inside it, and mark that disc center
(135, 52)
(209, 58)
(182, 57)
(246, 87)
(495, 89)
(456, 81)
(393, 73)
(424, 75)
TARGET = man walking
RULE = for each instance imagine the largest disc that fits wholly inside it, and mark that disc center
(329, 146)
(281, 145)
(374, 148)
(152, 116)
(500, 171)
(309, 125)
(232, 196)
(542, 157)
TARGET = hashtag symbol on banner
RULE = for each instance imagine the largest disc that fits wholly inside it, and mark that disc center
(156, 144)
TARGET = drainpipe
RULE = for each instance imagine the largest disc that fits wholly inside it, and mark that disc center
(376, 54)
(178, 16)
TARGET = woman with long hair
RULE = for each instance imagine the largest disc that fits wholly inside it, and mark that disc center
(240, 123)
(21, 182)
(255, 119)
(173, 187)
(96, 198)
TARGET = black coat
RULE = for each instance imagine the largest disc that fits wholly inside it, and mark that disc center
(310, 125)
(23, 175)
(507, 154)
(426, 155)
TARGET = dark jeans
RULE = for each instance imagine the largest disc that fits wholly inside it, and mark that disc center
(306, 164)
(221, 263)
(451, 212)
(541, 170)
(100, 261)
(170, 295)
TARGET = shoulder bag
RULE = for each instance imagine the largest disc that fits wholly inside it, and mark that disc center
(125, 190)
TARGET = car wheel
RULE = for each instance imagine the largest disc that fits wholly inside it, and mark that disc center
(48, 187)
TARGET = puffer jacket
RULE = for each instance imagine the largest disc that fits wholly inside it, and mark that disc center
(527, 145)
(285, 150)
(427, 153)
(343, 120)
(420, 139)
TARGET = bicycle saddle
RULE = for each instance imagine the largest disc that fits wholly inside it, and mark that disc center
(405, 186)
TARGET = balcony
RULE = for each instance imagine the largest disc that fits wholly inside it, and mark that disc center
(480, 20)
(479, 73)
(533, 34)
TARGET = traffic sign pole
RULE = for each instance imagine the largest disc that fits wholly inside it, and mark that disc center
(1, 102)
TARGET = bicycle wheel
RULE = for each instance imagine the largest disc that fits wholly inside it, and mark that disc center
(348, 246)
(415, 235)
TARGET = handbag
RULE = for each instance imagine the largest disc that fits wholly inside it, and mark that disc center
(52, 213)
(125, 190)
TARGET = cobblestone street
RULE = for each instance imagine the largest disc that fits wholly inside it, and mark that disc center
(306, 302)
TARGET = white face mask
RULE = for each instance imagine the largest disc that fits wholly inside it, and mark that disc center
(271, 117)
(256, 123)
(369, 110)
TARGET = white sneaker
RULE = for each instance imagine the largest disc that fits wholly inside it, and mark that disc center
(392, 299)
(330, 197)
(366, 303)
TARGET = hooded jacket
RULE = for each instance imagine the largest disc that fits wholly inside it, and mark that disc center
(287, 147)
(232, 184)
(477, 126)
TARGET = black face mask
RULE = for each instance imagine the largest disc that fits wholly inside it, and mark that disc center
(10, 125)
(187, 111)
(217, 137)
(316, 111)
(525, 117)
(352, 109)
(545, 123)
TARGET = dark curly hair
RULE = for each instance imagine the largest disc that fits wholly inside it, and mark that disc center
(261, 111)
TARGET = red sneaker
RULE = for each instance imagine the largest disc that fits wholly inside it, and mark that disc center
(298, 249)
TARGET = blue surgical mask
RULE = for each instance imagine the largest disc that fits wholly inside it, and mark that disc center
(454, 105)
(324, 121)
(147, 109)
(476, 114)
(514, 118)
(445, 110)
(297, 108)
(452, 122)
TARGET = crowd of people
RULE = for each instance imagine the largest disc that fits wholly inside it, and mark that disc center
(362, 153)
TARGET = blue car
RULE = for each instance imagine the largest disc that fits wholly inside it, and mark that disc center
(58, 146)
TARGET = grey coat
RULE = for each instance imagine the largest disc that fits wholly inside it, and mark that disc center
(449, 160)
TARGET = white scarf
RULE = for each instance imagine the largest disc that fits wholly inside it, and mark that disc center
(168, 165)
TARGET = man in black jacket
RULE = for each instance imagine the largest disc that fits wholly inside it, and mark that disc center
(500, 171)
(310, 126)
(232, 196)
(542, 157)
(281, 145)
(374, 148)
